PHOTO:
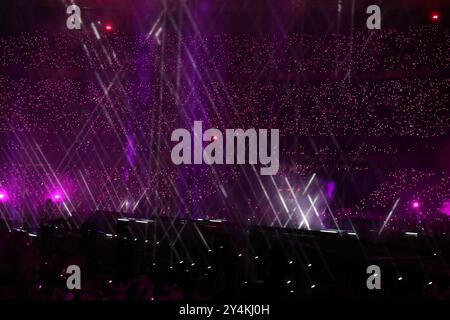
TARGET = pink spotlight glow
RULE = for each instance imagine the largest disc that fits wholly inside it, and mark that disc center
(108, 27)
(435, 16)
(3, 196)
(56, 197)
(415, 204)
(446, 207)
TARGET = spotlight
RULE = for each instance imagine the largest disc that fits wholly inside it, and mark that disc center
(56, 197)
(2, 196)
(109, 27)
(415, 204)
(435, 16)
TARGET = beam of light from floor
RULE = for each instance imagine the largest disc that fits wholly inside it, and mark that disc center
(389, 216)
(266, 194)
(330, 211)
(309, 183)
(297, 204)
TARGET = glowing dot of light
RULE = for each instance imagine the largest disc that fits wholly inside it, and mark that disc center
(435, 16)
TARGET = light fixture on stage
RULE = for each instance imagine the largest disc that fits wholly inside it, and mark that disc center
(3, 196)
(415, 204)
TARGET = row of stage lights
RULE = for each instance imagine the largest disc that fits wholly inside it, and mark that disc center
(435, 17)
(55, 197)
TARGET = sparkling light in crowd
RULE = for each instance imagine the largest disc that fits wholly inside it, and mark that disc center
(446, 208)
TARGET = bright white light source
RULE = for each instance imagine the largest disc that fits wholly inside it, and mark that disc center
(329, 231)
